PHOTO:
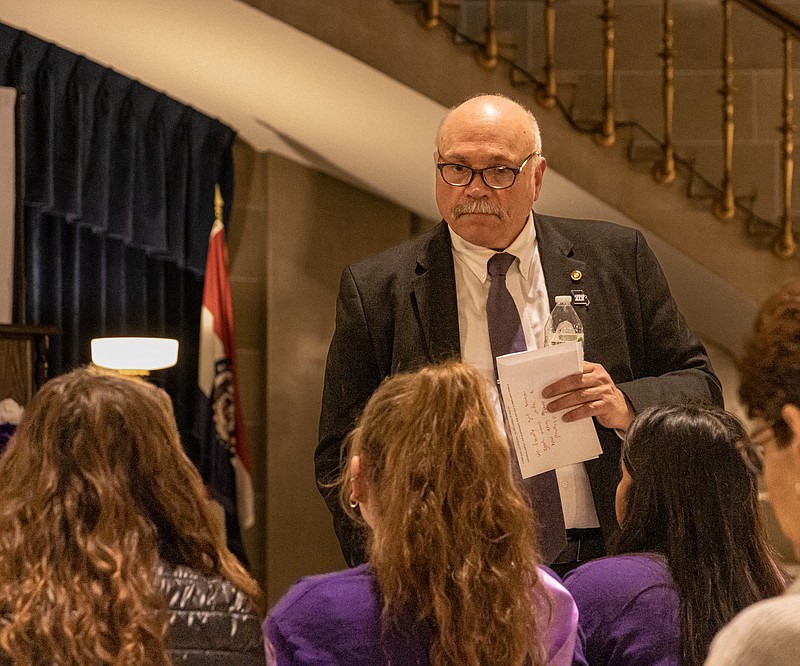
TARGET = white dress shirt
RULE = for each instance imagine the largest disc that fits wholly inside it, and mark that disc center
(525, 282)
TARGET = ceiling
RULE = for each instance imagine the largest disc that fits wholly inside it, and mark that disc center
(282, 90)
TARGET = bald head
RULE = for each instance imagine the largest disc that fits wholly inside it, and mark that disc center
(499, 108)
(484, 132)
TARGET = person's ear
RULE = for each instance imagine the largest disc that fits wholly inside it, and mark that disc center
(537, 177)
(791, 414)
(356, 481)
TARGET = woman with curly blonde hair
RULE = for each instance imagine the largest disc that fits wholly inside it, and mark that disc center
(453, 574)
(108, 551)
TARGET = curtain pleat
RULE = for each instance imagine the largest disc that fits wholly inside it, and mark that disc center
(67, 138)
(150, 206)
(71, 247)
(178, 189)
(39, 135)
(98, 160)
(119, 203)
(121, 173)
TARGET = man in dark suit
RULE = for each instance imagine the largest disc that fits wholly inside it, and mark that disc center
(425, 300)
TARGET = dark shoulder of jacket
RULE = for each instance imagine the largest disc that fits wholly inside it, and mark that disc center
(405, 251)
(210, 620)
(576, 228)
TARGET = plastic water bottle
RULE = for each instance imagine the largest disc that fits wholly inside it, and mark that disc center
(563, 324)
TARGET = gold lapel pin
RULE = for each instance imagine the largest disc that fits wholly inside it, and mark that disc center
(575, 275)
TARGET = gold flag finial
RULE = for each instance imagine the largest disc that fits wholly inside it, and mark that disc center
(217, 203)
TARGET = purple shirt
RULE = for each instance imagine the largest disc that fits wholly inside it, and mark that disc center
(629, 611)
(336, 619)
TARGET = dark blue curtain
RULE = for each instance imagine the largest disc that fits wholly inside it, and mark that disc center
(119, 203)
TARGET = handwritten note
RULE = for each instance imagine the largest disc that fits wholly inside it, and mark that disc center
(541, 439)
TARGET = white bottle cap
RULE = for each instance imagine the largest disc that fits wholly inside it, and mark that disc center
(563, 300)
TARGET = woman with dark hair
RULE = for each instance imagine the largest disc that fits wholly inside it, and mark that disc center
(453, 574)
(109, 553)
(691, 551)
(768, 633)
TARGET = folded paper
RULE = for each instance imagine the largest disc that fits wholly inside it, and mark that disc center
(541, 439)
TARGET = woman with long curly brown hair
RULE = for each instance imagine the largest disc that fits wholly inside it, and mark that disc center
(453, 574)
(108, 551)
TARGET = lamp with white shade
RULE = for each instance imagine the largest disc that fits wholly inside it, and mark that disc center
(135, 356)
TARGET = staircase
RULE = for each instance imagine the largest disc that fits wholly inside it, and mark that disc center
(757, 57)
(386, 35)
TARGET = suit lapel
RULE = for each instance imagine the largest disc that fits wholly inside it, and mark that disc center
(434, 293)
(556, 252)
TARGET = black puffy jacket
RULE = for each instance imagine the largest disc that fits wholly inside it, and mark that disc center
(211, 622)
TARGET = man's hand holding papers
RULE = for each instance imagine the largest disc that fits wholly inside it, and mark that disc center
(542, 439)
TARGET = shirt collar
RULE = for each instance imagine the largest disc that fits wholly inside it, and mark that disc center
(475, 257)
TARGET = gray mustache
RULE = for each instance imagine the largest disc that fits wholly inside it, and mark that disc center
(480, 206)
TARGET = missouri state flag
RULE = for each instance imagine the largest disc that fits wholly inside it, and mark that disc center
(223, 455)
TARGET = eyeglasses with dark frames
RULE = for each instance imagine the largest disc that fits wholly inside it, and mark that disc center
(752, 455)
(497, 177)
(752, 449)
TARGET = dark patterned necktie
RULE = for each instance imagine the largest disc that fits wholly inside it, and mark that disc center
(506, 336)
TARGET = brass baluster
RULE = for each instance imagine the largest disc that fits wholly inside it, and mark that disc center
(428, 14)
(784, 245)
(487, 57)
(547, 95)
(665, 169)
(726, 207)
(608, 134)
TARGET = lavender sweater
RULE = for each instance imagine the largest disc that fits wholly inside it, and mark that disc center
(335, 619)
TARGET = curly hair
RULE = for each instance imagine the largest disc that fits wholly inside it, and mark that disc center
(453, 545)
(96, 491)
(693, 501)
(770, 364)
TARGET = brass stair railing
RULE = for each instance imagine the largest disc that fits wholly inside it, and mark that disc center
(665, 168)
(785, 245)
(726, 204)
(608, 132)
(548, 92)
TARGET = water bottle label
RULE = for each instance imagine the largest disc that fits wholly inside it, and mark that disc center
(558, 338)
